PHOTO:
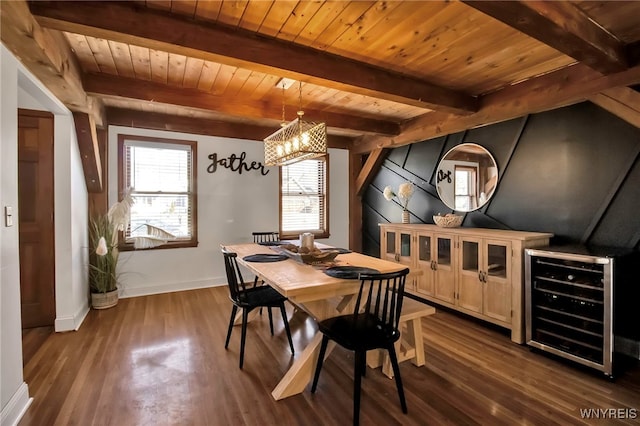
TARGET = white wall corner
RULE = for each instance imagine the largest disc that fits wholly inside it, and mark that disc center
(72, 322)
(16, 407)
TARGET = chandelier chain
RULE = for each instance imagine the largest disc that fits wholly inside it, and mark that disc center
(283, 122)
(300, 111)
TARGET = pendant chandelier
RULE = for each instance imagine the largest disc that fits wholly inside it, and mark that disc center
(299, 140)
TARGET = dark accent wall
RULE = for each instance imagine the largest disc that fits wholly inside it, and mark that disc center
(574, 171)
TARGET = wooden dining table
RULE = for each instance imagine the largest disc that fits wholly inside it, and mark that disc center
(316, 293)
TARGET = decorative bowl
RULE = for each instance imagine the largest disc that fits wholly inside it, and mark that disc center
(448, 221)
(318, 256)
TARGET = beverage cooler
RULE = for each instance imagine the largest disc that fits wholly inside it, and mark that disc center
(577, 299)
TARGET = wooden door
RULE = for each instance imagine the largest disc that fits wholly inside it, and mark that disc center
(35, 205)
(388, 245)
(497, 286)
(445, 274)
(425, 264)
(470, 274)
(405, 247)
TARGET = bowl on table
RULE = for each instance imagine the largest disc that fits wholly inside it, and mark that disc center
(448, 221)
(299, 254)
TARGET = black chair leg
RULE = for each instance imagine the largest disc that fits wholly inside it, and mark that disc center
(255, 284)
(358, 372)
(396, 372)
(270, 319)
(234, 311)
(283, 311)
(323, 350)
(245, 319)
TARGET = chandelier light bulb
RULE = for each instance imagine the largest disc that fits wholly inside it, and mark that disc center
(299, 140)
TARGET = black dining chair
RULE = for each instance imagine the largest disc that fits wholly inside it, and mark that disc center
(265, 237)
(372, 325)
(248, 298)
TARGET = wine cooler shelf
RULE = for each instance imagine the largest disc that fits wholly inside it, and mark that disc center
(570, 309)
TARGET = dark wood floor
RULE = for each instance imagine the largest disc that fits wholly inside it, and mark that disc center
(160, 360)
(32, 340)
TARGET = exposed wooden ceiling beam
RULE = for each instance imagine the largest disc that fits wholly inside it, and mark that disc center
(89, 150)
(370, 168)
(154, 29)
(102, 84)
(564, 27)
(553, 90)
(47, 55)
(201, 126)
(621, 101)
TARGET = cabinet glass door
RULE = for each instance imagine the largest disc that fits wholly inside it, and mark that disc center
(391, 243)
(444, 273)
(444, 251)
(497, 287)
(405, 246)
(425, 264)
(470, 285)
(424, 248)
(497, 260)
(470, 256)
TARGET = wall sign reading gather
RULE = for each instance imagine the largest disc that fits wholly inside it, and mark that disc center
(235, 163)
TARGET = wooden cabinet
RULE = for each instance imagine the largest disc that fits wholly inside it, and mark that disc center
(435, 265)
(397, 245)
(485, 277)
(473, 270)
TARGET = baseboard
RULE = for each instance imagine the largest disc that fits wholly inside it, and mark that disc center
(16, 407)
(170, 287)
(627, 346)
(72, 322)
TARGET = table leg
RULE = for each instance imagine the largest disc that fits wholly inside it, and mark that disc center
(301, 372)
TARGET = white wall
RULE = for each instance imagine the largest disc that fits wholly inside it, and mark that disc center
(21, 90)
(14, 393)
(230, 207)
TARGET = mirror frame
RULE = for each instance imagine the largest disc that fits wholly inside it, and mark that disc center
(444, 174)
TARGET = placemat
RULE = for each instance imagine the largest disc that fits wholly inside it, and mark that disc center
(263, 258)
(272, 243)
(349, 272)
(339, 250)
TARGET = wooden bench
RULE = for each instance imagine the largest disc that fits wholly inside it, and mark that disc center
(410, 345)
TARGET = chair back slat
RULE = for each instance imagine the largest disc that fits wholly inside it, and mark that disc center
(264, 237)
(234, 276)
(380, 296)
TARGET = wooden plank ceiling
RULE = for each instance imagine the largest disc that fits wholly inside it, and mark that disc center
(380, 74)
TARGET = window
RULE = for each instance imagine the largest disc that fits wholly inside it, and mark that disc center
(303, 199)
(161, 175)
(465, 188)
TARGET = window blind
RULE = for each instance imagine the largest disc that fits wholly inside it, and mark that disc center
(160, 177)
(303, 197)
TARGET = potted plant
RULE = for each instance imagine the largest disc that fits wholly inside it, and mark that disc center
(405, 191)
(103, 254)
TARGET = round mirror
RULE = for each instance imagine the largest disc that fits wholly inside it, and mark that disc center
(467, 177)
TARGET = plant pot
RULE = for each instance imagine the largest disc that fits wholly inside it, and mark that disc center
(104, 300)
(405, 216)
